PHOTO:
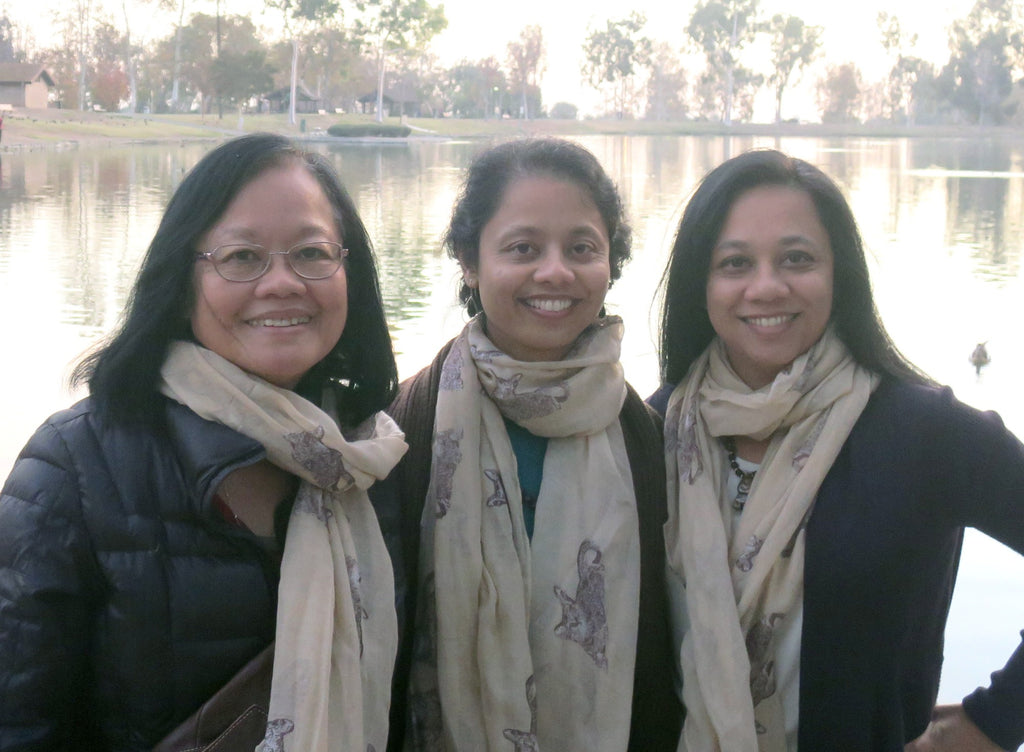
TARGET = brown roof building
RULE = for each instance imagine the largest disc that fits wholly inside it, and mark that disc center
(24, 85)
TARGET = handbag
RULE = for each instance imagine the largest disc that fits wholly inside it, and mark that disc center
(234, 719)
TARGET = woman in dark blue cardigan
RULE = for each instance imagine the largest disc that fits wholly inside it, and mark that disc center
(819, 486)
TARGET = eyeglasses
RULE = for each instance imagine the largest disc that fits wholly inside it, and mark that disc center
(245, 262)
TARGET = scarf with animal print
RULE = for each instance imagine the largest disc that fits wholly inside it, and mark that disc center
(731, 595)
(528, 645)
(337, 631)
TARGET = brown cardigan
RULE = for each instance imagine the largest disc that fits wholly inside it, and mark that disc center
(657, 714)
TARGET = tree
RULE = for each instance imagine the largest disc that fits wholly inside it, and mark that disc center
(475, 88)
(240, 76)
(902, 75)
(332, 66)
(81, 13)
(320, 11)
(389, 26)
(130, 57)
(109, 87)
(986, 48)
(839, 94)
(176, 74)
(794, 46)
(707, 98)
(720, 29)
(197, 42)
(7, 51)
(615, 55)
(666, 86)
(746, 84)
(108, 82)
(564, 111)
(61, 62)
(526, 63)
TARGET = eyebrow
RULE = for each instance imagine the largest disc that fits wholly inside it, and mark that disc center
(526, 229)
(742, 245)
(246, 234)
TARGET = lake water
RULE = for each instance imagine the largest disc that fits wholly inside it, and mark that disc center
(942, 220)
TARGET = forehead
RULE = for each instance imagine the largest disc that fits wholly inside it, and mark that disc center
(280, 200)
(767, 209)
(536, 194)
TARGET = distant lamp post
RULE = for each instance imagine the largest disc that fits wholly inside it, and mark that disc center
(497, 102)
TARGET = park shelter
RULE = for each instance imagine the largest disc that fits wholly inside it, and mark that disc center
(305, 101)
(25, 85)
(399, 100)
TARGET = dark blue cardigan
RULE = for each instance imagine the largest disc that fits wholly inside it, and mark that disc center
(883, 545)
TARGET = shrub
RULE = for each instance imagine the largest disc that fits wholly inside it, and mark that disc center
(364, 130)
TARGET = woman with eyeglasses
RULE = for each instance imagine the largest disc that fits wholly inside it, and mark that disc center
(209, 497)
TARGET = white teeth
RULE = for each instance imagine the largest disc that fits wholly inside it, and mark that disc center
(280, 322)
(768, 320)
(549, 305)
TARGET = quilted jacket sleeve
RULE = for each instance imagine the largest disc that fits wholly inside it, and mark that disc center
(48, 579)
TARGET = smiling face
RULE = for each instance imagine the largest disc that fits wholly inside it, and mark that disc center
(769, 289)
(279, 325)
(543, 268)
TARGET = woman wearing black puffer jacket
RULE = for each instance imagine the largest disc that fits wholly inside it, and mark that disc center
(209, 497)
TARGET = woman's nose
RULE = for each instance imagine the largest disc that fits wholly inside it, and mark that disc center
(553, 268)
(766, 284)
(280, 278)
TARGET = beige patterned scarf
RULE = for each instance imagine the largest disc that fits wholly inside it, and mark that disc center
(336, 626)
(738, 592)
(528, 645)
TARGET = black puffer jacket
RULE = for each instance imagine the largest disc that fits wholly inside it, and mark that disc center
(125, 601)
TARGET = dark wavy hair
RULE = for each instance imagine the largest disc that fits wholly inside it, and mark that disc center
(490, 174)
(123, 374)
(686, 329)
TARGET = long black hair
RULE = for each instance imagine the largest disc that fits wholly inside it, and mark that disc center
(123, 374)
(686, 329)
(490, 174)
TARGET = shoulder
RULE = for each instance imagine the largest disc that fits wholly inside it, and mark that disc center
(637, 409)
(417, 395)
(641, 430)
(82, 449)
(659, 400)
(961, 460)
(916, 411)
(57, 439)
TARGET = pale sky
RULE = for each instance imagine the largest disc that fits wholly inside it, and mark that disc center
(480, 28)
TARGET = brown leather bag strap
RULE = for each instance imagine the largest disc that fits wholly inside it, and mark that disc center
(234, 718)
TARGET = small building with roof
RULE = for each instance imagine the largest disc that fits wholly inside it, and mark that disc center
(25, 85)
(279, 100)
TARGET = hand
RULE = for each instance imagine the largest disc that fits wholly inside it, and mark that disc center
(951, 730)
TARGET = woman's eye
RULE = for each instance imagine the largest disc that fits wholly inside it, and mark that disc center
(310, 253)
(521, 248)
(798, 258)
(239, 255)
(583, 249)
(733, 263)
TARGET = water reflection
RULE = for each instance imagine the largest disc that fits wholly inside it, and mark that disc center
(941, 218)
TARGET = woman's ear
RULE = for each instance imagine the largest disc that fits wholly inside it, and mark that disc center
(469, 276)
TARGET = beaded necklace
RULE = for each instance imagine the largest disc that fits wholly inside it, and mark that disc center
(746, 479)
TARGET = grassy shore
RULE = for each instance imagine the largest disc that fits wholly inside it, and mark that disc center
(30, 129)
